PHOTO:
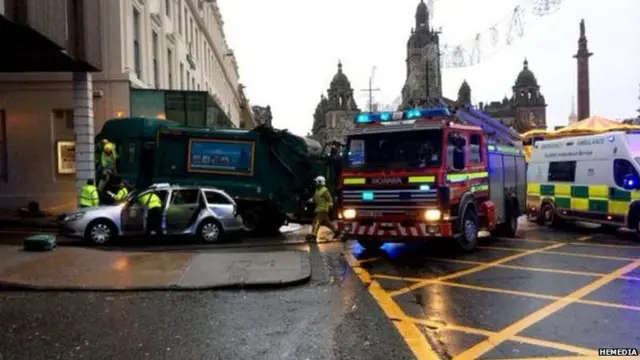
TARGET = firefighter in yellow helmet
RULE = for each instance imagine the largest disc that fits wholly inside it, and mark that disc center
(323, 203)
(89, 195)
(154, 206)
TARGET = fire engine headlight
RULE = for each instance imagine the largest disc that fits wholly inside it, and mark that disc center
(432, 215)
(349, 214)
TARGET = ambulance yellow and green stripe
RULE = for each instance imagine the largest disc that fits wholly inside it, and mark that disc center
(584, 199)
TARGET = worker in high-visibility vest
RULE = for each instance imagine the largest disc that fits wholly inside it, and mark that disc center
(123, 191)
(89, 195)
(323, 203)
(108, 157)
(154, 206)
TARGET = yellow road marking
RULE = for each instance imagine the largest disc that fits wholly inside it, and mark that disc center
(474, 269)
(495, 340)
(412, 335)
(500, 248)
(531, 268)
(558, 358)
(522, 339)
(511, 292)
(573, 243)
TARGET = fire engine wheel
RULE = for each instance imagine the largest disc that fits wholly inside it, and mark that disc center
(468, 240)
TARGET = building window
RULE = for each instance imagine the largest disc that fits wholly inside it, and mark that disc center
(180, 25)
(181, 76)
(167, 7)
(562, 171)
(156, 68)
(136, 44)
(188, 82)
(193, 83)
(170, 68)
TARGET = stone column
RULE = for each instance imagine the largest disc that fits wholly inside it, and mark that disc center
(83, 128)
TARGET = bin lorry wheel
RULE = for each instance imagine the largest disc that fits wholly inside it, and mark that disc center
(369, 245)
(251, 220)
(210, 231)
(468, 240)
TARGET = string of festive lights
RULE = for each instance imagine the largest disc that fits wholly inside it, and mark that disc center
(502, 34)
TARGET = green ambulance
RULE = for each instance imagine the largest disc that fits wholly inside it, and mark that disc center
(592, 178)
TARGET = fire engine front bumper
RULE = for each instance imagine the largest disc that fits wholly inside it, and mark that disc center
(394, 231)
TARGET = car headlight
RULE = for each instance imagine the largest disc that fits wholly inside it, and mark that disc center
(432, 215)
(349, 214)
(74, 217)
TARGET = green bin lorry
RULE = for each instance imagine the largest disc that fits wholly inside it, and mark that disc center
(268, 172)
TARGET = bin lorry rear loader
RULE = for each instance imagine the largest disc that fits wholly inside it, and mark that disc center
(426, 173)
(268, 172)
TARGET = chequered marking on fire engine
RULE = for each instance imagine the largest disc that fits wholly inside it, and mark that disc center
(409, 326)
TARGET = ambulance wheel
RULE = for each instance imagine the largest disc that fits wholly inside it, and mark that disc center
(549, 216)
(468, 239)
(369, 245)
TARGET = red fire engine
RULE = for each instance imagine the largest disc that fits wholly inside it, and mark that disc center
(417, 174)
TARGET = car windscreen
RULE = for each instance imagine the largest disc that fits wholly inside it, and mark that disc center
(414, 149)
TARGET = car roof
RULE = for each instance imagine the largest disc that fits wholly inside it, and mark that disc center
(181, 187)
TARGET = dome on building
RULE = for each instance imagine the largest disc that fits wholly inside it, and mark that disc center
(340, 80)
(526, 78)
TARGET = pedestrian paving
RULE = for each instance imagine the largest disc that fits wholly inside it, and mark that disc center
(75, 268)
(542, 295)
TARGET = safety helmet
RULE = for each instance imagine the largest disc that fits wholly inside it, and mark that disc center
(320, 180)
(108, 147)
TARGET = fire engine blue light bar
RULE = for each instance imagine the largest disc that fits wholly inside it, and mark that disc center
(411, 114)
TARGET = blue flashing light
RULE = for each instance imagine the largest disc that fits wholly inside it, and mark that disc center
(367, 196)
(630, 182)
(411, 114)
(611, 138)
(425, 187)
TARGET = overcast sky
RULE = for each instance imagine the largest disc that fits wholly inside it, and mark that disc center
(288, 51)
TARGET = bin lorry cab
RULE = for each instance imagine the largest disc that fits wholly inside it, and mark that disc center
(416, 175)
(269, 173)
(592, 178)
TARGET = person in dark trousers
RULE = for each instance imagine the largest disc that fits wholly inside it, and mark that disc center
(153, 204)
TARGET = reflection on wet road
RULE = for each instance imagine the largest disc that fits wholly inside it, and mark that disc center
(544, 294)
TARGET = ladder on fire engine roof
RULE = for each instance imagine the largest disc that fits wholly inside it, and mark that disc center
(494, 129)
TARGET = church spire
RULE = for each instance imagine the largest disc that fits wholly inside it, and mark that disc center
(422, 15)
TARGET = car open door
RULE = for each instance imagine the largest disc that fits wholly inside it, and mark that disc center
(183, 208)
(133, 216)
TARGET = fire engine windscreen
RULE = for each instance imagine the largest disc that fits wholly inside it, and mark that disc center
(415, 149)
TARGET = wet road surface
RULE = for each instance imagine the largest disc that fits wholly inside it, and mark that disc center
(546, 294)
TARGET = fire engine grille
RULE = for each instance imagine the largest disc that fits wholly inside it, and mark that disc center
(390, 200)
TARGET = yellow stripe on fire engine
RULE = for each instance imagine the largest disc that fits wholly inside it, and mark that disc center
(354, 181)
(467, 176)
(421, 179)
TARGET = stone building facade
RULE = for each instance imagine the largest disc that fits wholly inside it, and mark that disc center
(262, 115)
(335, 112)
(424, 73)
(524, 111)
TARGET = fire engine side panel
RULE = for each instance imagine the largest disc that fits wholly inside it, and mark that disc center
(497, 184)
(521, 183)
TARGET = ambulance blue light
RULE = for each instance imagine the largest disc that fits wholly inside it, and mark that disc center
(631, 182)
(385, 116)
(367, 196)
(611, 138)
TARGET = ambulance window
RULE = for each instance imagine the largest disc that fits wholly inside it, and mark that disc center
(621, 169)
(475, 155)
(562, 171)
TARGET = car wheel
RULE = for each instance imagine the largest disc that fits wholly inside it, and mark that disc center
(468, 240)
(100, 232)
(210, 231)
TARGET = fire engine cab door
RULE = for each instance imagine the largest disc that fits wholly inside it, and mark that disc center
(497, 175)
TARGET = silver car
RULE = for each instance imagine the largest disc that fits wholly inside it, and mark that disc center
(207, 213)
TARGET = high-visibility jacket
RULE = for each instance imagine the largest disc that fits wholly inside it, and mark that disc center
(323, 200)
(108, 161)
(150, 201)
(89, 196)
(121, 194)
